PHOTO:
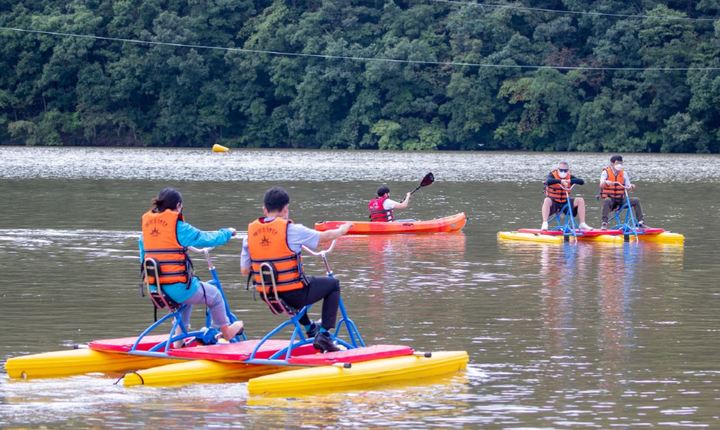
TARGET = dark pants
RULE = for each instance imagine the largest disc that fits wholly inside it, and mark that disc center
(318, 288)
(559, 208)
(610, 205)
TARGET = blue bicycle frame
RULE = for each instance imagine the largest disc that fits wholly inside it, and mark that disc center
(206, 335)
(297, 338)
(567, 225)
(628, 223)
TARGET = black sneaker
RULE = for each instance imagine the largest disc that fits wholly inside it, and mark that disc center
(324, 342)
(313, 330)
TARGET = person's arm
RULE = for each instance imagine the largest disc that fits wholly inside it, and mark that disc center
(627, 183)
(191, 236)
(603, 178)
(330, 235)
(576, 181)
(142, 249)
(550, 180)
(245, 262)
(402, 205)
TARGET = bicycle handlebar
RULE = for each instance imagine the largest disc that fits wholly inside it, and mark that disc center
(622, 185)
(322, 252)
(210, 248)
(200, 250)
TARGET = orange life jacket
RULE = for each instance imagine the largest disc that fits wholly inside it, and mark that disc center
(613, 191)
(378, 213)
(556, 191)
(159, 232)
(267, 243)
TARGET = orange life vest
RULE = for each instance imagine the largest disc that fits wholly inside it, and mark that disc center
(267, 243)
(613, 191)
(556, 191)
(378, 213)
(159, 232)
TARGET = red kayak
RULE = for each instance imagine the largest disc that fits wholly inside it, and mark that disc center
(440, 225)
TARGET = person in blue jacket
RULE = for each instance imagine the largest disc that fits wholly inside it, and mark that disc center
(165, 238)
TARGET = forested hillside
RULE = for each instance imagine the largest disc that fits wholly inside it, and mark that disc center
(61, 90)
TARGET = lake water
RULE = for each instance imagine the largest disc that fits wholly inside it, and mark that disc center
(559, 336)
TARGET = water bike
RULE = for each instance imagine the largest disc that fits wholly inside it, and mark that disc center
(625, 228)
(271, 366)
(129, 353)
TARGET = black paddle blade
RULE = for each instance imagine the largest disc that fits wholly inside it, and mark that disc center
(427, 180)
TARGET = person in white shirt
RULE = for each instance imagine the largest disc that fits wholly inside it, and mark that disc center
(382, 207)
(613, 182)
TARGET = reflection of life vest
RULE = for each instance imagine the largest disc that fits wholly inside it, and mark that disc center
(613, 191)
(377, 210)
(159, 232)
(556, 191)
(267, 243)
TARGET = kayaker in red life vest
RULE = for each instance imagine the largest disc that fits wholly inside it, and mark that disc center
(613, 182)
(557, 189)
(277, 240)
(381, 207)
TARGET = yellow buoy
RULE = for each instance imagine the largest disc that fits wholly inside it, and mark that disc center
(220, 148)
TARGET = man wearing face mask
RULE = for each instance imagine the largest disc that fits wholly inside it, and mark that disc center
(557, 190)
(613, 182)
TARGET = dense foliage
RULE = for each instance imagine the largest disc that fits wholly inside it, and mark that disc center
(64, 90)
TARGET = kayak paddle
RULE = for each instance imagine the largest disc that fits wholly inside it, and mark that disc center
(427, 180)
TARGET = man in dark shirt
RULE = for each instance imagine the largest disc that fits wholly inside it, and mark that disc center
(557, 192)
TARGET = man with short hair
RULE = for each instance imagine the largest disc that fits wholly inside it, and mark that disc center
(277, 241)
(613, 182)
(557, 192)
(382, 207)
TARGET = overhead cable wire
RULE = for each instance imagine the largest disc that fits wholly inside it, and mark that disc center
(571, 12)
(348, 57)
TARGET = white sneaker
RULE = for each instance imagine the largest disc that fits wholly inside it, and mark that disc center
(584, 226)
(544, 226)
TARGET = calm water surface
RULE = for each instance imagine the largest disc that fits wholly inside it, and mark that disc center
(569, 336)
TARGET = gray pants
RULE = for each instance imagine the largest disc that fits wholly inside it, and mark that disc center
(610, 205)
(210, 296)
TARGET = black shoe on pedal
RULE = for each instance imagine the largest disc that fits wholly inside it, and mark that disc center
(313, 330)
(324, 342)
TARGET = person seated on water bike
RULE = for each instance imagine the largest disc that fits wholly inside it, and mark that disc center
(613, 182)
(557, 190)
(276, 240)
(165, 238)
(381, 207)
